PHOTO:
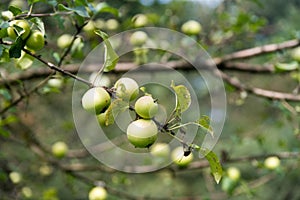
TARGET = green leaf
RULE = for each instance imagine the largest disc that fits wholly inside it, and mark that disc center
(104, 7)
(204, 123)
(1, 50)
(114, 109)
(4, 132)
(111, 58)
(16, 48)
(8, 120)
(80, 10)
(282, 67)
(30, 2)
(39, 23)
(214, 163)
(15, 10)
(5, 93)
(183, 97)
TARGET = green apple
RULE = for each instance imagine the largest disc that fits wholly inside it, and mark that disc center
(234, 173)
(179, 159)
(59, 149)
(146, 107)
(127, 88)
(142, 133)
(26, 192)
(18, 3)
(191, 27)
(140, 20)
(112, 24)
(7, 15)
(95, 100)
(97, 193)
(12, 30)
(99, 23)
(36, 40)
(89, 28)
(296, 54)
(64, 41)
(161, 150)
(45, 170)
(15, 177)
(56, 82)
(272, 162)
(138, 38)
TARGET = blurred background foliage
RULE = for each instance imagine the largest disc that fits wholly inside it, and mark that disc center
(254, 125)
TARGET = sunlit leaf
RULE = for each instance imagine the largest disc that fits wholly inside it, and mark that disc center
(111, 58)
(204, 123)
(80, 10)
(114, 109)
(214, 163)
(183, 97)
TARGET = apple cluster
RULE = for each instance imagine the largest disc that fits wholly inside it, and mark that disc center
(142, 132)
(34, 39)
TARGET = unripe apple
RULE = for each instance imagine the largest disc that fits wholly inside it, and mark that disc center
(64, 41)
(191, 27)
(55, 82)
(146, 107)
(7, 15)
(272, 162)
(15, 177)
(12, 31)
(142, 133)
(99, 23)
(59, 149)
(95, 100)
(26, 192)
(89, 28)
(97, 193)
(138, 38)
(18, 3)
(179, 159)
(296, 54)
(45, 170)
(36, 40)
(234, 173)
(127, 88)
(112, 24)
(140, 20)
(161, 150)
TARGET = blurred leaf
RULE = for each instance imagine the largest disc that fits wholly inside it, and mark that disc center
(204, 122)
(214, 163)
(111, 58)
(4, 24)
(80, 10)
(16, 48)
(282, 67)
(5, 93)
(81, 3)
(4, 132)
(39, 23)
(15, 10)
(5, 56)
(30, 2)
(114, 109)
(8, 120)
(1, 50)
(183, 97)
(104, 7)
